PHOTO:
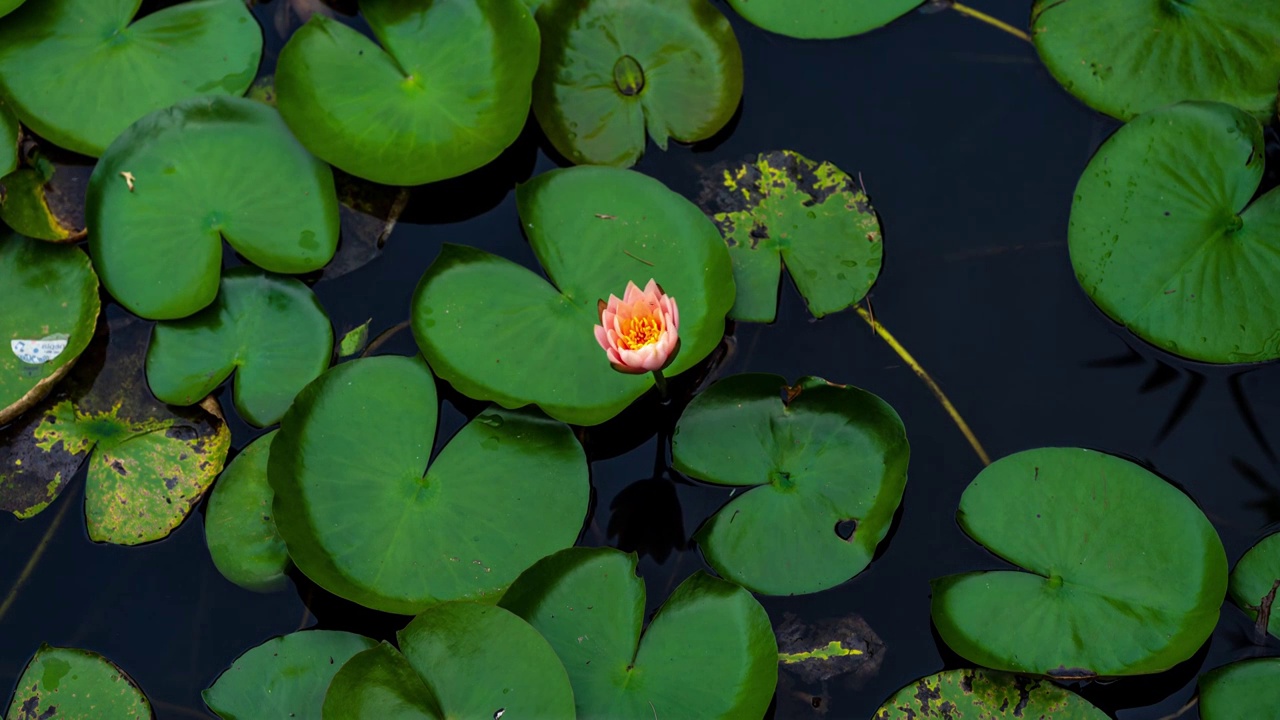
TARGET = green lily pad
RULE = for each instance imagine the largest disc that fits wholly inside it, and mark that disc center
(271, 331)
(149, 464)
(974, 694)
(826, 466)
(1246, 689)
(10, 134)
(1123, 573)
(612, 68)
(78, 72)
(50, 300)
(822, 19)
(594, 230)
(1255, 577)
(446, 650)
(179, 180)
(362, 519)
(8, 6)
(411, 112)
(708, 653)
(238, 528)
(285, 677)
(1165, 240)
(354, 340)
(785, 209)
(1220, 50)
(45, 199)
(71, 684)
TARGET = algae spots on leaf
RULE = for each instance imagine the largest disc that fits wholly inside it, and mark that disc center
(976, 694)
(70, 683)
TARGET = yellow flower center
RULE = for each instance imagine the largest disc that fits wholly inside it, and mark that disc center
(640, 331)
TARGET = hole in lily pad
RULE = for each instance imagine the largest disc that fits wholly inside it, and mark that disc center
(846, 528)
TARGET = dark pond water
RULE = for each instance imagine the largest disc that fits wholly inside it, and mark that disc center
(970, 153)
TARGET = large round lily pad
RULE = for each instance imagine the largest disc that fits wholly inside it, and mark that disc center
(1256, 578)
(826, 466)
(271, 331)
(10, 134)
(285, 677)
(708, 653)
(785, 209)
(823, 19)
(362, 519)
(1165, 240)
(238, 528)
(446, 93)
(78, 72)
(975, 694)
(49, 297)
(499, 332)
(612, 68)
(1123, 573)
(179, 180)
(1246, 689)
(1172, 50)
(461, 660)
(76, 685)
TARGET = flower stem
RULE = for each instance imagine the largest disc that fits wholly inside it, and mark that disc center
(661, 383)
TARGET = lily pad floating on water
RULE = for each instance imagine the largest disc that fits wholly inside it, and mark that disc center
(825, 465)
(285, 677)
(1220, 50)
(708, 653)
(975, 694)
(412, 111)
(612, 68)
(44, 198)
(593, 230)
(361, 518)
(1165, 240)
(785, 209)
(1257, 577)
(149, 464)
(822, 19)
(179, 180)
(1123, 574)
(8, 6)
(238, 528)
(445, 650)
(78, 72)
(271, 331)
(50, 299)
(1246, 689)
(74, 684)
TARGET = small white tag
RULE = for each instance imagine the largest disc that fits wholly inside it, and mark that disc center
(39, 352)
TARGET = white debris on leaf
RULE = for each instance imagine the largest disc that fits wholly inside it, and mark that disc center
(39, 352)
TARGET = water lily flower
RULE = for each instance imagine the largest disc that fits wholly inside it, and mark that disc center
(640, 331)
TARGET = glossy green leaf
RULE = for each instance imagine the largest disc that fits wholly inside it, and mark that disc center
(785, 209)
(45, 199)
(708, 653)
(1165, 240)
(238, 528)
(49, 297)
(149, 463)
(446, 93)
(1123, 573)
(179, 180)
(826, 466)
(380, 684)
(355, 340)
(78, 72)
(71, 684)
(822, 19)
(1256, 577)
(271, 331)
(10, 133)
(1220, 50)
(612, 68)
(593, 230)
(975, 694)
(1246, 689)
(362, 519)
(285, 677)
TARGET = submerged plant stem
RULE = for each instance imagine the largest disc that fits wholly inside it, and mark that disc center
(35, 557)
(979, 15)
(933, 386)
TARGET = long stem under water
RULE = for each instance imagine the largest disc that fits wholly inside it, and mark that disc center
(993, 22)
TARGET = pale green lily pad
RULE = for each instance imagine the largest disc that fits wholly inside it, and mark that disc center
(49, 297)
(612, 69)
(238, 528)
(355, 340)
(975, 694)
(44, 199)
(71, 684)
(783, 209)
(10, 134)
(181, 179)
(271, 331)
(78, 72)
(1247, 689)
(822, 19)
(1256, 577)
(446, 93)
